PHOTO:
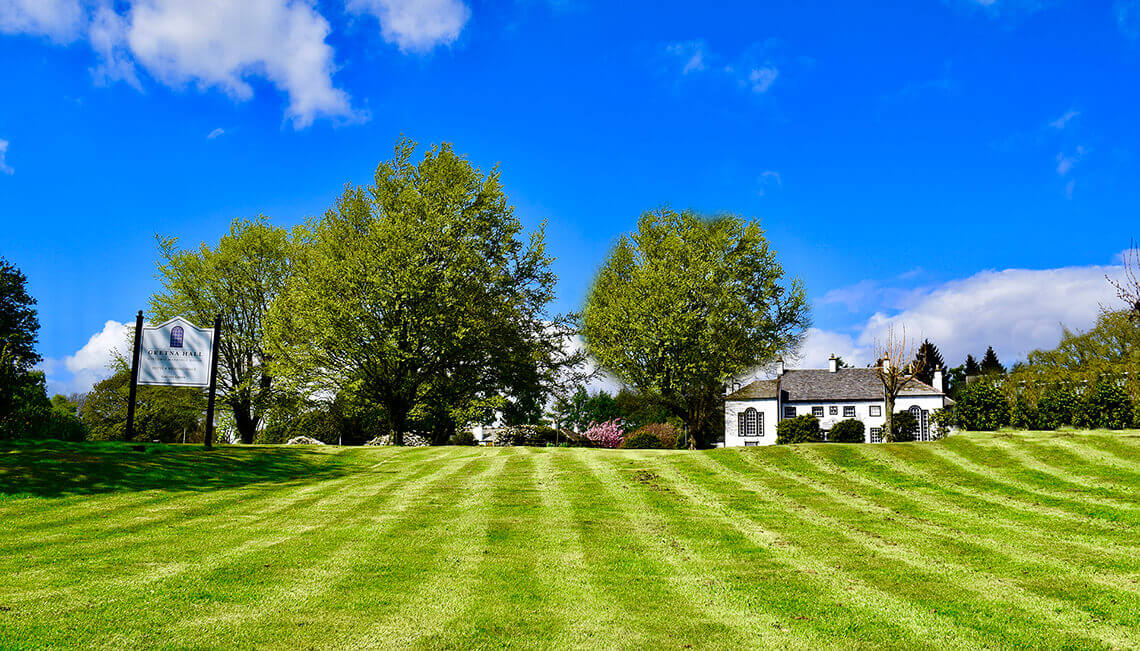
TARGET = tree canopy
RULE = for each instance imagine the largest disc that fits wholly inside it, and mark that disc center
(926, 360)
(420, 292)
(685, 303)
(237, 279)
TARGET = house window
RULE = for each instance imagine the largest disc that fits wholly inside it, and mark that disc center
(750, 423)
(876, 435)
(849, 411)
(833, 410)
(789, 412)
(876, 410)
(817, 412)
(751, 443)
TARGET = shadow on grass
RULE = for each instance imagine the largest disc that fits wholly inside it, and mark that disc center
(56, 469)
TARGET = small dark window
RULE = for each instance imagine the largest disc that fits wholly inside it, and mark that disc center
(849, 411)
(876, 410)
(833, 410)
(789, 412)
(751, 443)
(176, 335)
(876, 435)
(817, 412)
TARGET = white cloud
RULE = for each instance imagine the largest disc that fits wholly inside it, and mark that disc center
(214, 43)
(1066, 162)
(1015, 311)
(59, 20)
(1064, 120)
(691, 53)
(215, 133)
(761, 79)
(89, 364)
(207, 43)
(767, 179)
(1128, 17)
(416, 25)
(822, 344)
(4, 167)
(752, 69)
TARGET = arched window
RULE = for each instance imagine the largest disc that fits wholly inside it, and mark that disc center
(176, 335)
(750, 423)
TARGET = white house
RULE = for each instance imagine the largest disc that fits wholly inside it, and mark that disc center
(831, 394)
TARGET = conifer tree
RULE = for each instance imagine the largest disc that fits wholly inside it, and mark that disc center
(990, 363)
(972, 367)
(927, 359)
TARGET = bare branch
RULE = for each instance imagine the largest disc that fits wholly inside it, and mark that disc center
(1128, 286)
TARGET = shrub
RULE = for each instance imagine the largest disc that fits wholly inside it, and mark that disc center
(1057, 406)
(462, 438)
(903, 426)
(667, 433)
(536, 435)
(641, 440)
(981, 407)
(1023, 414)
(1107, 406)
(941, 420)
(801, 429)
(606, 435)
(847, 431)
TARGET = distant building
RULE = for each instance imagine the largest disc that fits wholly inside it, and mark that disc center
(831, 394)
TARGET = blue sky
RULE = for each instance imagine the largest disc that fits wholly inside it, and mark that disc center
(966, 168)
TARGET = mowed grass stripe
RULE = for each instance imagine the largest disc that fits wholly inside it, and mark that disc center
(168, 551)
(1048, 591)
(222, 597)
(814, 594)
(1092, 459)
(797, 596)
(999, 465)
(516, 597)
(921, 584)
(412, 577)
(648, 572)
(933, 480)
(1114, 567)
(936, 470)
(1061, 469)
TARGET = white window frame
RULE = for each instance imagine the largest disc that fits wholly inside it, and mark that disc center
(849, 411)
(876, 411)
(817, 412)
(789, 411)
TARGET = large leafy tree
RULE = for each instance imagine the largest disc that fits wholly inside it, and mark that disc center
(19, 325)
(237, 279)
(420, 292)
(685, 303)
(168, 414)
(23, 402)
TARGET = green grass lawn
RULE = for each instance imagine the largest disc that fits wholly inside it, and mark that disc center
(978, 541)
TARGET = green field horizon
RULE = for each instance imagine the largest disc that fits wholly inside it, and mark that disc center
(981, 540)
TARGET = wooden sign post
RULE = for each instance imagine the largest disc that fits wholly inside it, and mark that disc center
(175, 354)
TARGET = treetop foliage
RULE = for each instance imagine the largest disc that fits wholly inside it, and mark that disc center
(685, 302)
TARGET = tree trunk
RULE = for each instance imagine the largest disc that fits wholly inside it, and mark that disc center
(244, 419)
(399, 416)
(888, 433)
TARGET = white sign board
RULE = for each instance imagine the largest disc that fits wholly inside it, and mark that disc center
(175, 354)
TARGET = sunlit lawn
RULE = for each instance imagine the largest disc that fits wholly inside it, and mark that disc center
(1006, 540)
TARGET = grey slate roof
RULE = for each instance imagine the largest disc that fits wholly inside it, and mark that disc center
(821, 385)
(755, 391)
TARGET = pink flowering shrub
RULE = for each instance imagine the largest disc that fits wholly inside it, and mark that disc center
(607, 434)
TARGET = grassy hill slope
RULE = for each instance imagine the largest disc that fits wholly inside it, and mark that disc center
(979, 540)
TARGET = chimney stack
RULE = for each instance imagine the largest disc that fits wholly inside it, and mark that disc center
(832, 364)
(779, 367)
(885, 364)
(938, 382)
